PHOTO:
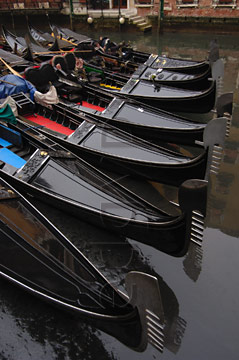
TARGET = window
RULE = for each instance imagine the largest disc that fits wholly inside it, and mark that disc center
(224, 3)
(187, 3)
(144, 2)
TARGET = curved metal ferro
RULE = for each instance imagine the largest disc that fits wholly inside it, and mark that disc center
(144, 293)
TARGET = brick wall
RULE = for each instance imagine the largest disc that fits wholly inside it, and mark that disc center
(193, 8)
(172, 8)
(202, 8)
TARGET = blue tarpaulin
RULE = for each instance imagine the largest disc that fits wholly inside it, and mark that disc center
(20, 85)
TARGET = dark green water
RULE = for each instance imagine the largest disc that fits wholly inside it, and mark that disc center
(200, 291)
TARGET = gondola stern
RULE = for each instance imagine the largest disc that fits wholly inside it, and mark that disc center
(55, 46)
(4, 31)
(28, 54)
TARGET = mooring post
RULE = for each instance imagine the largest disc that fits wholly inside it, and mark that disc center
(160, 13)
(71, 14)
(13, 22)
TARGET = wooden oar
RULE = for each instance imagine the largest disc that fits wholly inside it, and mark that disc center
(10, 68)
(54, 34)
(59, 52)
(7, 82)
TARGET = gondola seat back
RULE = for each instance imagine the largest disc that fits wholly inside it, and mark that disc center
(67, 64)
(33, 75)
(42, 77)
(48, 74)
(70, 61)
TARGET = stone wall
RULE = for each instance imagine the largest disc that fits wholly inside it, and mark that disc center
(30, 4)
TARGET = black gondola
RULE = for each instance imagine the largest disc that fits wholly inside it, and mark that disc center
(20, 45)
(127, 69)
(133, 116)
(137, 118)
(107, 147)
(161, 96)
(157, 95)
(47, 40)
(36, 165)
(159, 76)
(16, 62)
(154, 94)
(139, 57)
(103, 145)
(39, 259)
(70, 35)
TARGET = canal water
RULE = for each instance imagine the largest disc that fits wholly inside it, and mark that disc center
(199, 291)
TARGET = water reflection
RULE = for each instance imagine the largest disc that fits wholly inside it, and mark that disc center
(192, 263)
(224, 186)
(30, 328)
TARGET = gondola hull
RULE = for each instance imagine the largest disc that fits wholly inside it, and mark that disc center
(45, 262)
(47, 40)
(162, 240)
(138, 57)
(136, 118)
(57, 177)
(40, 260)
(19, 45)
(107, 147)
(165, 97)
(121, 69)
(181, 65)
(161, 75)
